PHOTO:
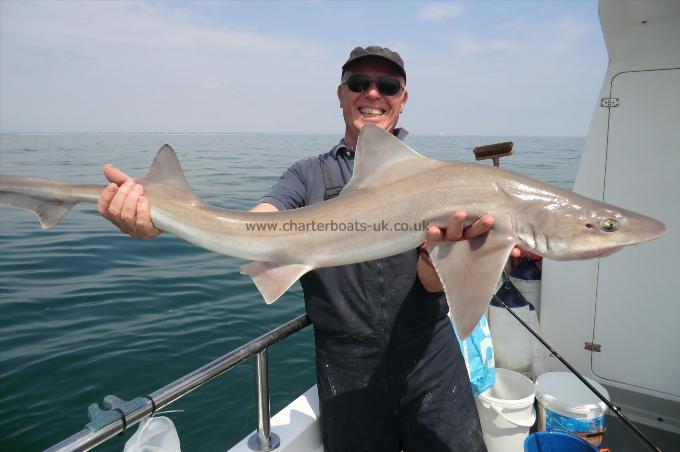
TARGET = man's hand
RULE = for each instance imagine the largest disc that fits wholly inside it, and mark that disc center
(123, 203)
(454, 231)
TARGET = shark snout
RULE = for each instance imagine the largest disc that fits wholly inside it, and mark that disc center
(643, 229)
(659, 229)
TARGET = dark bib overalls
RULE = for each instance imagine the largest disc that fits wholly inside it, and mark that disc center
(390, 372)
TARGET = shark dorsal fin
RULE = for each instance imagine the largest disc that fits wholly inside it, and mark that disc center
(381, 158)
(165, 170)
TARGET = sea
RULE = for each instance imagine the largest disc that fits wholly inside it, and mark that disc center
(86, 311)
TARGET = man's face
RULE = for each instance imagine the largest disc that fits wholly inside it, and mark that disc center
(370, 106)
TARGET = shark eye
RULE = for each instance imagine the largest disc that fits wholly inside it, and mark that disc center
(609, 225)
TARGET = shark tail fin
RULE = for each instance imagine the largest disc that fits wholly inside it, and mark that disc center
(48, 199)
(50, 212)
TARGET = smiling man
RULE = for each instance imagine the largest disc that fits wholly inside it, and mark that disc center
(389, 371)
(390, 374)
(372, 91)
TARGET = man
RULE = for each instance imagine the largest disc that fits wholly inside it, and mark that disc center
(390, 374)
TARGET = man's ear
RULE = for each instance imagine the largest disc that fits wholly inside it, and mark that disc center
(339, 95)
(403, 102)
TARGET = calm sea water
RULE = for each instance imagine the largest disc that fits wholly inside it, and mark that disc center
(86, 311)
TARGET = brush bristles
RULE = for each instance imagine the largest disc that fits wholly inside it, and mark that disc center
(491, 151)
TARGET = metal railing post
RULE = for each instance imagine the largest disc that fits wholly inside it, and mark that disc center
(263, 439)
(137, 409)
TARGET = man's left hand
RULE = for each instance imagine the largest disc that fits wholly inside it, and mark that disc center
(455, 230)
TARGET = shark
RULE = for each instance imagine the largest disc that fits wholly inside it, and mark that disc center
(394, 193)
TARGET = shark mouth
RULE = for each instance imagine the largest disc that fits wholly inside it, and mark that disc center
(601, 252)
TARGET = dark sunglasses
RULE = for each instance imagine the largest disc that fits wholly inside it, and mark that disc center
(359, 83)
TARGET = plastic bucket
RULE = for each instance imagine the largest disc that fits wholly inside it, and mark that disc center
(506, 411)
(566, 404)
(556, 442)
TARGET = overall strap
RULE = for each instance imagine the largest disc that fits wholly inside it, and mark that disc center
(330, 190)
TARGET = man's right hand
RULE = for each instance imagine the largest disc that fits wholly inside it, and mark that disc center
(123, 203)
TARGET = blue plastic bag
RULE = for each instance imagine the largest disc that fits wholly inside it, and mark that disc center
(477, 351)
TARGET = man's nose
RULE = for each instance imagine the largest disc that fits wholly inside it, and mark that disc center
(372, 90)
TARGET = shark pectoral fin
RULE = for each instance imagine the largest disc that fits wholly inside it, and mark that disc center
(49, 212)
(469, 271)
(272, 279)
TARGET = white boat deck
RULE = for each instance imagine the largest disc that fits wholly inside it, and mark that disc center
(298, 429)
(296, 425)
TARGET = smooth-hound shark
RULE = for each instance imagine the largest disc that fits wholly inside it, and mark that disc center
(381, 212)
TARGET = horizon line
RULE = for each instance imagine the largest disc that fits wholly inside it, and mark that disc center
(432, 134)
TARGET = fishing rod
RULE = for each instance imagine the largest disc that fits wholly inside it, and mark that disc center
(615, 409)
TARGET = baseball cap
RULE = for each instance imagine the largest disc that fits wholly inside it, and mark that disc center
(376, 52)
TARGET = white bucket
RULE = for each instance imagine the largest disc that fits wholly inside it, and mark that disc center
(506, 411)
(566, 404)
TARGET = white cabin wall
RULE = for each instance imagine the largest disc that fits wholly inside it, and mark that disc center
(569, 289)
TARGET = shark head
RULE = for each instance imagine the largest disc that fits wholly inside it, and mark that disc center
(587, 229)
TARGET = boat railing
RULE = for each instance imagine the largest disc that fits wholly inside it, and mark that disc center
(121, 415)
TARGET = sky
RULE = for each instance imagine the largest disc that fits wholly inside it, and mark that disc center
(519, 68)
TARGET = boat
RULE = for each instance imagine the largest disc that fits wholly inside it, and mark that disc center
(615, 319)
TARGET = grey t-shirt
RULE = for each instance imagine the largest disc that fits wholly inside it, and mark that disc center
(369, 303)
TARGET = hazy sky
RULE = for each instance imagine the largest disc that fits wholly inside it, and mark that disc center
(474, 68)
